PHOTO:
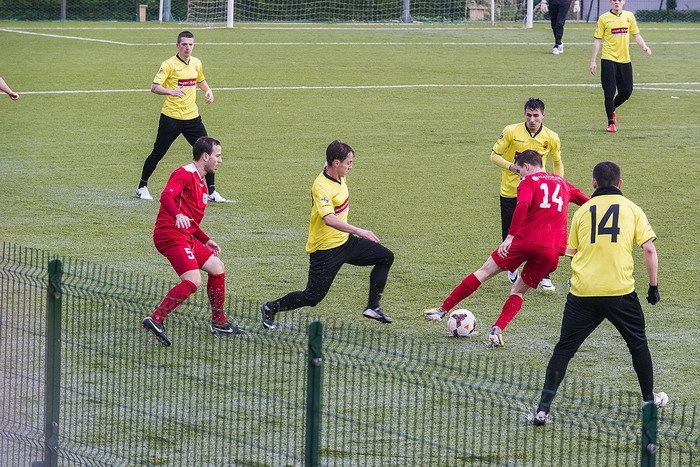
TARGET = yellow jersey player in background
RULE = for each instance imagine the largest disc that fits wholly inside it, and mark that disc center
(516, 139)
(178, 79)
(612, 33)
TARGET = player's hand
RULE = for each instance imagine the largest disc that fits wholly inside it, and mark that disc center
(647, 50)
(177, 92)
(182, 221)
(213, 247)
(368, 234)
(209, 96)
(653, 296)
(515, 169)
(593, 67)
(504, 247)
(13, 95)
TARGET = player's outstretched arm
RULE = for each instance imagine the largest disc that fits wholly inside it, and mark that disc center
(331, 220)
(651, 262)
(640, 42)
(594, 55)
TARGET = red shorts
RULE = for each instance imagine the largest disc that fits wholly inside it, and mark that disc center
(539, 261)
(184, 252)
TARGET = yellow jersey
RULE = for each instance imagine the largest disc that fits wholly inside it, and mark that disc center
(615, 32)
(174, 73)
(603, 231)
(516, 139)
(328, 196)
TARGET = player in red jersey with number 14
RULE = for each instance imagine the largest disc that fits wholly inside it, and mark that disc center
(537, 237)
(178, 237)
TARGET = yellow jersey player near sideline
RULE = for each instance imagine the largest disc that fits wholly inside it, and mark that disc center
(612, 33)
(177, 79)
(516, 139)
(603, 233)
(333, 242)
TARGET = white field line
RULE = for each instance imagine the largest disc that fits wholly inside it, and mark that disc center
(640, 86)
(490, 44)
(301, 27)
(350, 43)
(58, 36)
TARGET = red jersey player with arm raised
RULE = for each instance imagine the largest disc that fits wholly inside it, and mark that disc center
(537, 237)
(178, 236)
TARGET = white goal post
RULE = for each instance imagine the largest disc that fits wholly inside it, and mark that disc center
(404, 11)
(210, 11)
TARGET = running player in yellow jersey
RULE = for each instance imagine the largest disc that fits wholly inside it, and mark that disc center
(333, 242)
(603, 233)
(177, 80)
(612, 33)
(516, 139)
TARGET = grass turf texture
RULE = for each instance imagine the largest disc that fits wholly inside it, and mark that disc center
(422, 179)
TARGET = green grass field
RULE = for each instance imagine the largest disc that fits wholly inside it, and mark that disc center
(421, 105)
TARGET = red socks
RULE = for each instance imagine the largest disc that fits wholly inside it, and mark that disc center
(173, 299)
(510, 309)
(465, 288)
(216, 289)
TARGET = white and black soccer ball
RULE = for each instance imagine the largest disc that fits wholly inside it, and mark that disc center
(462, 323)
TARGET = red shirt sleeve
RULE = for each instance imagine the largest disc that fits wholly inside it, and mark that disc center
(525, 194)
(200, 235)
(171, 191)
(577, 196)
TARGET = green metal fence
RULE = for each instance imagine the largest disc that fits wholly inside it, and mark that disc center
(82, 383)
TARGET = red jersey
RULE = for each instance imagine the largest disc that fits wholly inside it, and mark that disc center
(185, 193)
(541, 214)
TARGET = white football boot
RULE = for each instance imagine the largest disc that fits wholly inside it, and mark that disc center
(143, 193)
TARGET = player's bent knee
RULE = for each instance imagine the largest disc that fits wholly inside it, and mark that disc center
(192, 276)
(214, 265)
(389, 257)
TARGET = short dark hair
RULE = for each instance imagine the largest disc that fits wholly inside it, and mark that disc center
(534, 103)
(186, 34)
(338, 150)
(202, 145)
(607, 173)
(529, 157)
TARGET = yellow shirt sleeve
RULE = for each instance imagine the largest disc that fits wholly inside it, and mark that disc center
(573, 231)
(600, 29)
(200, 73)
(322, 200)
(500, 148)
(634, 28)
(503, 142)
(163, 73)
(642, 230)
(557, 164)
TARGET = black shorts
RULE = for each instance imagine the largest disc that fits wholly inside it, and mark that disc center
(507, 210)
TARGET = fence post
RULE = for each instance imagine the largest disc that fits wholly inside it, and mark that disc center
(313, 395)
(649, 428)
(53, 363)
(406, 12)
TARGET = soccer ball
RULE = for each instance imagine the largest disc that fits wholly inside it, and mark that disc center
(462, 323)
